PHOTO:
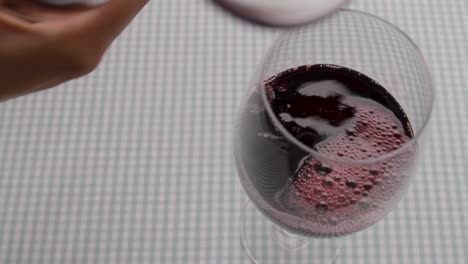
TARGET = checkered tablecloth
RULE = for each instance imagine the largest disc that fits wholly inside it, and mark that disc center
(133, 163)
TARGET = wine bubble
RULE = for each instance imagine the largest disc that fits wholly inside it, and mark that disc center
(322, 207)
(322, 168)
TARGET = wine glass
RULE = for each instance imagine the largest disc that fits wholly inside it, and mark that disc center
(329, 135)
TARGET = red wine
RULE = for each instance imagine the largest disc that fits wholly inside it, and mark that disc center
(346, 117)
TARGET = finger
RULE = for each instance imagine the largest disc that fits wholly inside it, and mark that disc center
(12, 20)
(37, 11)
(104, 23)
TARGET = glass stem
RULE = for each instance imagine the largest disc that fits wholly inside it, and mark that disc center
(291, 241)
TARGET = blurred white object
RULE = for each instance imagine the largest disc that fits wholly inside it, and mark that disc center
(69, 2)
(282, 12)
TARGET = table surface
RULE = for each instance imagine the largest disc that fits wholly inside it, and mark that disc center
(132, 164)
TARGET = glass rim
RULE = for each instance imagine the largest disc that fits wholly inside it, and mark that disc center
(310, 150)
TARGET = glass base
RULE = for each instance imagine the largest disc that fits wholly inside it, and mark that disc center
(266, 243)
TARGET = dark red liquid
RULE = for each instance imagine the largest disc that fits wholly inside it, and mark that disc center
(342, 115)
(332, 96)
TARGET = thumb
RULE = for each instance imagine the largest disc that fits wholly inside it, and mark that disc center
(105, 22)
(113, 16)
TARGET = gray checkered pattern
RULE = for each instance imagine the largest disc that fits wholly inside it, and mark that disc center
(132, 164)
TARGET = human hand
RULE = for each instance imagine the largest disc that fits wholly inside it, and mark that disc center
(42, 46)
